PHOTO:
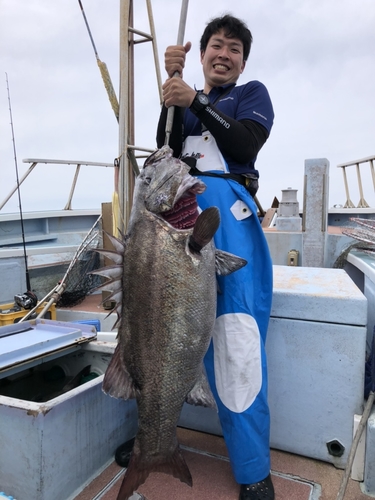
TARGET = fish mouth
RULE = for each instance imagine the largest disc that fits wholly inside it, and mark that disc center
(189, 184)
(184, 212)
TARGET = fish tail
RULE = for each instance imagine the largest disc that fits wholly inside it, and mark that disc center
(137, 472)
(134, 477)
(176, 466)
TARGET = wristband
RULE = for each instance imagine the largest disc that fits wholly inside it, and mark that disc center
(200, 102)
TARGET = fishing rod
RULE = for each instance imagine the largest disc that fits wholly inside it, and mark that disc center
(28, 299)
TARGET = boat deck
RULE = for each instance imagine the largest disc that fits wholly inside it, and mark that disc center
(294, 477)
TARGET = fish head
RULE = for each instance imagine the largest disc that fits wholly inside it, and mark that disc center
(165, 182)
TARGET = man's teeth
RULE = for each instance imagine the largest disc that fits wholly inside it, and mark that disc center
(220, 66)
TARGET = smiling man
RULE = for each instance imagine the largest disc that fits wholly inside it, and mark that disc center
(219, 131)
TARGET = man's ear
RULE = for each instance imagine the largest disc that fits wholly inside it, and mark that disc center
(243, 66)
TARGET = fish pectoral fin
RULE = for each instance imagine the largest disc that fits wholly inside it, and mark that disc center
(117, 381)
(201, 394)
(204, 229)
(226, 263)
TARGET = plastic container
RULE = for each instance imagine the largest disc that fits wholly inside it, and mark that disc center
(92, 322)
(8, 318)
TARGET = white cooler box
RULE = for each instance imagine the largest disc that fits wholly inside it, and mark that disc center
(316, 357)
(53, 443)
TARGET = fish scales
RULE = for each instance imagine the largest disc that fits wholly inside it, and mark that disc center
(167, 312)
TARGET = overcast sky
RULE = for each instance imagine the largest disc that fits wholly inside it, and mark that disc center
(316, 57)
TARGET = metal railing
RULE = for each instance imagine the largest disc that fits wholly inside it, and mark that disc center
(362, 202)
(124, 110)
(34, 162)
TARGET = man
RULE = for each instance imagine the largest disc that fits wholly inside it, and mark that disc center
(219, 132)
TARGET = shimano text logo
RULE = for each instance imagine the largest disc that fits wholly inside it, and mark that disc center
(217, 117)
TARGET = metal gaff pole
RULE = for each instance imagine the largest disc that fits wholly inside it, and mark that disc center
(180, 41)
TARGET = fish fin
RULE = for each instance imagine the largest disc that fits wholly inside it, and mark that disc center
(117, 243)
(109, 286)
(109, 272)
(115, 296)
(201, 394)
(204, 229)
(138, 471)
(117, 381)
(116, 309)
(115, 257)
(226, 263)
(176, 467)
(117, 323)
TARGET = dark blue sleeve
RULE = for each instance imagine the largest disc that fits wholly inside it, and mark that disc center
(239, 123)
(254, 103)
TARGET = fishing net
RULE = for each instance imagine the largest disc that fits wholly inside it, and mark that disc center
(78, 281)
(365, 236)
(341, 260)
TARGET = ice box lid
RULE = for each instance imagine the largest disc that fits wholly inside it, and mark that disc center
(317, 294)
(32, 342)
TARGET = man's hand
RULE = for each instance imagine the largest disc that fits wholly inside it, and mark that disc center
(177, 93)
(174, 58)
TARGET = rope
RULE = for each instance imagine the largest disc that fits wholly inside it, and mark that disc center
(109, 87)
(103, 70)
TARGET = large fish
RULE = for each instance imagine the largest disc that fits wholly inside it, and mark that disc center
(165, 267)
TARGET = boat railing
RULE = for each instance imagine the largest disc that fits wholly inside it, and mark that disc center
(362, 202)
(34, 162)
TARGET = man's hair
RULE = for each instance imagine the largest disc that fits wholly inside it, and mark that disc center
(233, 28)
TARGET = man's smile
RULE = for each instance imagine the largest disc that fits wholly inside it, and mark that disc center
(221, 67)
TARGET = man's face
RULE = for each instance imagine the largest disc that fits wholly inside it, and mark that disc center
(222, 60)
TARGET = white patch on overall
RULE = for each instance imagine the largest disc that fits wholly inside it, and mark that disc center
(240, 210)
(237, 358)
(205, 145)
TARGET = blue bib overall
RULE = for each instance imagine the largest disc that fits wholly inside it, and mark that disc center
(236, 360)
